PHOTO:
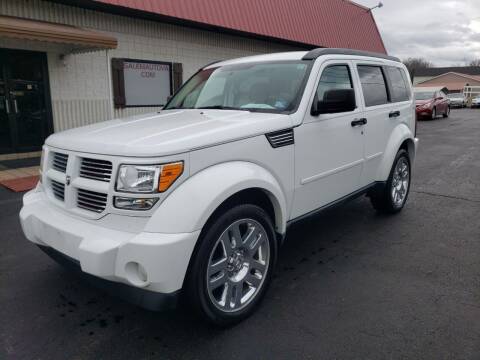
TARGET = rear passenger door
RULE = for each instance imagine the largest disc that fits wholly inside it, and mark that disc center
(386, 99)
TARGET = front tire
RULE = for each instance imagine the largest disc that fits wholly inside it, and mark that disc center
(434, 113)
(233, 265)
(447, 112)
(392, 198)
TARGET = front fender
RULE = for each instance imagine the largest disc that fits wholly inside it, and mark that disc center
(188, 207)
(401, 133)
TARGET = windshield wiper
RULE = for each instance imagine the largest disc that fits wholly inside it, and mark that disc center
(221, 107)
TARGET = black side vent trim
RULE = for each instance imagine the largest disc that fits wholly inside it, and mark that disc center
(281, 138)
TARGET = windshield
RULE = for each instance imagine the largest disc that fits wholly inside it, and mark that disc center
(267, 87)
(424, 95)
(456, 96)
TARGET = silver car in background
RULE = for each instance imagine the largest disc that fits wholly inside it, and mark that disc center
(475, 102)
(457, 100)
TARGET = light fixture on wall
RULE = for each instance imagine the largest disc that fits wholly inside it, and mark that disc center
(378, 6)
(64, 59)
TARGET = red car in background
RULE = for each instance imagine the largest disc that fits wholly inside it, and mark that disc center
(431, 102)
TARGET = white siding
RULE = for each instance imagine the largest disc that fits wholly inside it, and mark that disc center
(80, 86)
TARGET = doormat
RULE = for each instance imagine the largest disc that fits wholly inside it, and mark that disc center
(20, 184)
(19, 163)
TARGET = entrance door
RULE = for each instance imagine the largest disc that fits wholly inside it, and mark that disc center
(25, 116)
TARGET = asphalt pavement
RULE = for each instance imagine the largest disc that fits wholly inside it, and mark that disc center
(350, 284)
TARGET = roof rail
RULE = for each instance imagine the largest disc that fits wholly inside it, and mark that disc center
(210, 64)
(316, 53)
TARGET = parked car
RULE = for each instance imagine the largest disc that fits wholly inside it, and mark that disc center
(475, 102)
(431, 103)
(196, 200)
(457, 100)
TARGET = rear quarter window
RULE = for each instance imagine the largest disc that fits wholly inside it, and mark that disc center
(399, 88)
(373, 85)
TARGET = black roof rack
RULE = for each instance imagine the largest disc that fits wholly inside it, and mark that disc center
(316, 53)
(210, 64)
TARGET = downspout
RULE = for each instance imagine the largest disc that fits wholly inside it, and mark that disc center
(109, 87)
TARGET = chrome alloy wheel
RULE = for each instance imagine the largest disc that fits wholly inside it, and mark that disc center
(400, 182)
(238, 265)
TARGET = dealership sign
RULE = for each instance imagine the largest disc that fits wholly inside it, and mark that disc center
(147, 83)
(139, 83)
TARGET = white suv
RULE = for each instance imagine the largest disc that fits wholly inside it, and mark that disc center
(196, 199)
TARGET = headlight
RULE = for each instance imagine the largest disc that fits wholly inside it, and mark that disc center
(148, 178)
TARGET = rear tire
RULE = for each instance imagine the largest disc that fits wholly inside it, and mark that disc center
(434, 114)
(232, 266)
(392, 198)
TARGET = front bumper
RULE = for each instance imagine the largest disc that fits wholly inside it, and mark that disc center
(139, 266)
(423, 112)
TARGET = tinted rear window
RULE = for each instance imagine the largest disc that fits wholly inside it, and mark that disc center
(399, 89)
(373, 85)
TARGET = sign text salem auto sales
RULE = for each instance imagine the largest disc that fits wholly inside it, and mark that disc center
(146, 83)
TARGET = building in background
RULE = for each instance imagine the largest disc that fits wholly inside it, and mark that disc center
(64, 65)
(453, 78)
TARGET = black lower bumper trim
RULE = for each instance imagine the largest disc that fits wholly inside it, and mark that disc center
(144, 298)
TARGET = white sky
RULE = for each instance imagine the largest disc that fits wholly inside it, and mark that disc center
(445, 32)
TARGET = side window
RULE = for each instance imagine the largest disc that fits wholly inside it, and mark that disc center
(399, 89)
(373, 85)
(333, 78)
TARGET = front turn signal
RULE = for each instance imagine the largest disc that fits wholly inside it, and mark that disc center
(170, 173)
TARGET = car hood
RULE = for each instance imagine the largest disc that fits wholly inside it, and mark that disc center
(423, 102)
(168, 132)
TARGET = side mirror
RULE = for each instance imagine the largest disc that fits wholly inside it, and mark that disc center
(335, 101)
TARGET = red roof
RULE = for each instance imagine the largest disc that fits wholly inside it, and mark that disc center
(313, 23)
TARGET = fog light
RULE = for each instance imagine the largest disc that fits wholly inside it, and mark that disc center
(134, 203)
(136, 274)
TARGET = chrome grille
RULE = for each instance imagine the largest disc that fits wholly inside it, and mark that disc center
(91, 200)
(58, 190)
(60, 162)
(96, 169)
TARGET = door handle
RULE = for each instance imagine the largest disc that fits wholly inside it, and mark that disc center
(394, 114)
(359, 122)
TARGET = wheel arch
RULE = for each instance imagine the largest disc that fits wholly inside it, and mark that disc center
(199, 198)
(401, 138)
(409, 146)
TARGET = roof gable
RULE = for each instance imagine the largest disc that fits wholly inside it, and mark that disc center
(452, 76)
(468, 70)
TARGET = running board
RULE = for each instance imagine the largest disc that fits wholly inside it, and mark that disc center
(376, 186)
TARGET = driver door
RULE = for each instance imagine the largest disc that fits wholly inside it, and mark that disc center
(329, 147)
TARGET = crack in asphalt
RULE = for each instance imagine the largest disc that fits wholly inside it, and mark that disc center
(446, 196)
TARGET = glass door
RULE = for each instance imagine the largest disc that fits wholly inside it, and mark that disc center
(25, 119)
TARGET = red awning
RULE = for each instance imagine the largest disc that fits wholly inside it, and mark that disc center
(26, 29)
